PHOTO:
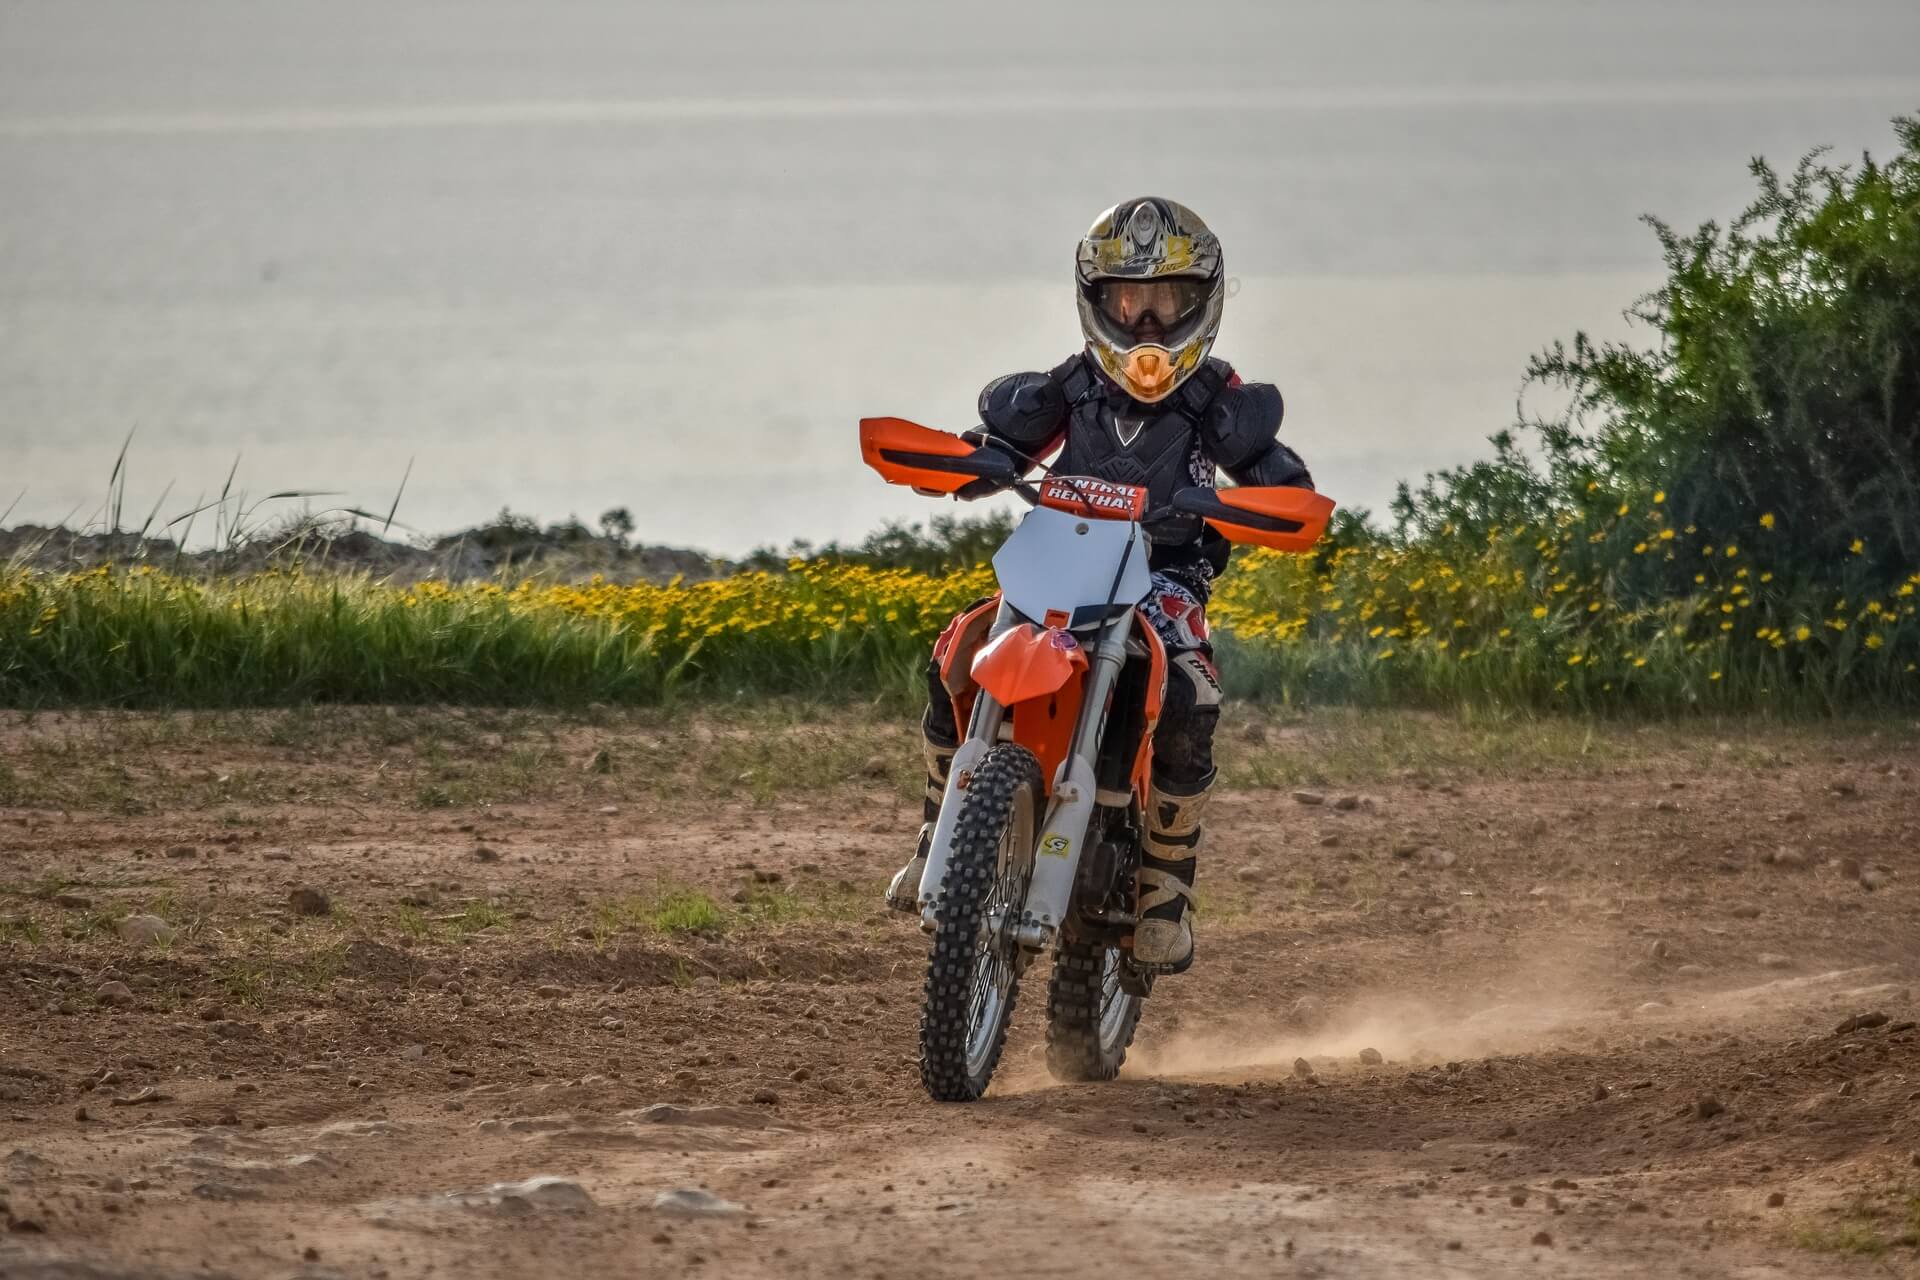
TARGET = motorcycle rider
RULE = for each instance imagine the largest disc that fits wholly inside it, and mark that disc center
(1143, 404)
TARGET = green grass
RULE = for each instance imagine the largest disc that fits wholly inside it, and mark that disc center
(1497, 628)
(681, 911)
(1865, 1229)
(1855, 1236)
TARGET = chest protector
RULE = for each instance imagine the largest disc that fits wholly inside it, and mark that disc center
(1157, 447)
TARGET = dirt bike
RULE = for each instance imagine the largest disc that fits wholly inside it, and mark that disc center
(1058, 679)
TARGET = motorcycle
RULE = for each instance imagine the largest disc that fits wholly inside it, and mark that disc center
(1058, 678)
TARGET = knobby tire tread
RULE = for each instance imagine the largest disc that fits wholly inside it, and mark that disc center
(1073, 1016)
(1008, 771)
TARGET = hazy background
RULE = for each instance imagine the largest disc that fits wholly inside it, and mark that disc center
(582, 253)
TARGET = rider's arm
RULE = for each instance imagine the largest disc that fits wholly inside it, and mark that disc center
(1025, 416)
(1242, 431)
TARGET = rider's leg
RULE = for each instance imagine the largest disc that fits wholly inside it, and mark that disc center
(941, 737)
(1183, 774)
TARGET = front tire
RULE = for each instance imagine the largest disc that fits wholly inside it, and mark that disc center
(1090, 1016)
(973, 974)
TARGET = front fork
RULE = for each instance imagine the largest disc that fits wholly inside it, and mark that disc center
(1063, 835)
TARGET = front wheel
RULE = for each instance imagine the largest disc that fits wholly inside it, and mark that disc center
(973, 974)
(1091, 1015)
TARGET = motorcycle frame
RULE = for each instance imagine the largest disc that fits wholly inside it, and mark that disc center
(1066, 824)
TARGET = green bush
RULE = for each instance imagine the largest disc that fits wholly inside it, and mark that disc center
(1784, 392)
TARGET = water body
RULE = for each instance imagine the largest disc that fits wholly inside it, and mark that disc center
(570, 255)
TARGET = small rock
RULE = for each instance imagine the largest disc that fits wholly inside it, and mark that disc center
(1706, 1106)
(212, 1011)
(485, 854)
(535, 1193)
(1302, 1069)
(1250, 874)
(1371, 1057)
(1658, 951)
(1792, 859)
(1330, 840)
(800, 1074)
(1666, 806)
(1690, 971)
(411, 1052)
(72, 901)
(609, 810)
(143, 931)
(1861, 1022)
(1774, 960)
(1745, 911)
(181, 851)
(116, 994)
(766, 1098)
(1777, 1199)
(1872, 878)
(309, 901)
(695, 1202)
(1600, 1093)
(613, 1024)
(1406, 849)
(1543, 1240)
(1346, 804)
(549, 991)
(143, 1096)
(1442, 859)
(1308, 797)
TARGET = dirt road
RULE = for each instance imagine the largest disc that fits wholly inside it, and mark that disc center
(1530, 999)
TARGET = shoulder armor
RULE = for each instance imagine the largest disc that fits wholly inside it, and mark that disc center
(1243, 422)
(1024, 409)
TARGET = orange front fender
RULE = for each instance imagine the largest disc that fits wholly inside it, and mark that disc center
(1026, 662)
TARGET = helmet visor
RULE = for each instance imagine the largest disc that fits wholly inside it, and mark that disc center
(1150, 308)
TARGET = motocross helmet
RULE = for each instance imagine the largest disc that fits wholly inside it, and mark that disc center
(1151, 293)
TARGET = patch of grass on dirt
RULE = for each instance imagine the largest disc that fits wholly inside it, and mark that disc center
(769, 759)
(413, 922)
(243, 979)
(683, 911)
(1862, 1228)
(1331, 746)
(473, 918)
(254, 974)
(779, 904)
(20, 929)
(679, 910)
(672, 910)
(1850, 1236)
(457, 926)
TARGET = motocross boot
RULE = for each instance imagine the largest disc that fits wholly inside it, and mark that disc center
(903, 891)
(1163, 939)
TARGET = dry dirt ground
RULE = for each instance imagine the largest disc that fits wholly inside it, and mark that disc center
(1606, 971)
